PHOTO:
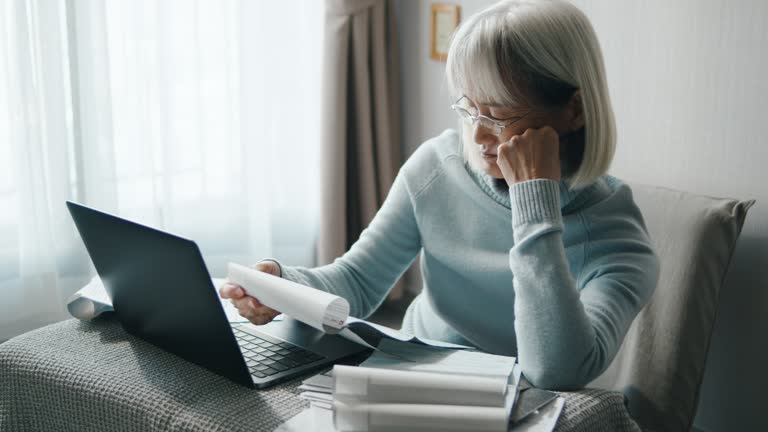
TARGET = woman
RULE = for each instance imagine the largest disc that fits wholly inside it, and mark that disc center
(528, 247)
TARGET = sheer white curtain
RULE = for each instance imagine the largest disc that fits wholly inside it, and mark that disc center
(196, 117)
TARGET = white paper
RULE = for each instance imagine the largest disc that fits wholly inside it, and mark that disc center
(349, 335)
(544, 420)
(418, 417)
(319, 309)
(412, 357)
(311, 419)
(314, 388)
(514, 384)
(320, 380)
(90, 301)
(324, 405)
(465, 365)
(373, 385)
(318, 396)
(359, 326)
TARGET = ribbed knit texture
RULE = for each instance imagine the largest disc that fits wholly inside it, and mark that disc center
(550, 275)
(497, 189)
(534, 201)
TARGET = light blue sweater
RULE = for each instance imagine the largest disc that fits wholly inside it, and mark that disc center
(555, 278)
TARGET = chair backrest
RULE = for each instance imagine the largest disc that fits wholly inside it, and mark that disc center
(660, 365)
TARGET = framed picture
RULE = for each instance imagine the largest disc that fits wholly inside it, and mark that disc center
(445, 19)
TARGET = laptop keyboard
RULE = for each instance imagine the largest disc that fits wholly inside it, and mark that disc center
(266, 358)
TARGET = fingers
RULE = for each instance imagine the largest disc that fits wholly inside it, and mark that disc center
(270, 267)
(544, 134)
(246, 302)
(534, 154)
(507, 146)
(254, 311)
(247, 306)
(259, 316)
(231, 291)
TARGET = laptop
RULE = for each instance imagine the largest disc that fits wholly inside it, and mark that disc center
(162, 293)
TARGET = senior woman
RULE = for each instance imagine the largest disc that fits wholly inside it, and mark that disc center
(528, 248)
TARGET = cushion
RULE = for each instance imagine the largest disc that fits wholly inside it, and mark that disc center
(93, 376)
(660, 365)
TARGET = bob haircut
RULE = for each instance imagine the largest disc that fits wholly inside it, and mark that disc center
(538, 53)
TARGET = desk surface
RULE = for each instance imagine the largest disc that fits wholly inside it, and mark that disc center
(93, 376)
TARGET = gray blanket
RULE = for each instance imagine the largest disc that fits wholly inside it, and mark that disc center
(93, 376)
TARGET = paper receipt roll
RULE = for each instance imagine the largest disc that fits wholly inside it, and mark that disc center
(362, 384)
(319, 309)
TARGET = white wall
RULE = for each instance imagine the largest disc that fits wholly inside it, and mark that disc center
(689, 83)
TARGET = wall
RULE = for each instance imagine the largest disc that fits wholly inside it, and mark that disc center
(689, 83)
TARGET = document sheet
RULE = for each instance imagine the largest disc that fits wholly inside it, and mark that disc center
(364, 384)
(319, 309)
(313, 307)
(347, 410)
(393, 354)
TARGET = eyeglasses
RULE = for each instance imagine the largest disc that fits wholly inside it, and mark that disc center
(468, 111)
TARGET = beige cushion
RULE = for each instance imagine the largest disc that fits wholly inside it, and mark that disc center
(660, 366)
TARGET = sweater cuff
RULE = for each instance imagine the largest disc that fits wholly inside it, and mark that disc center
(535, 201)
(294, 275)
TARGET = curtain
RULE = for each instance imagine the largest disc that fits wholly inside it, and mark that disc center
(361, 128)
(201, 118)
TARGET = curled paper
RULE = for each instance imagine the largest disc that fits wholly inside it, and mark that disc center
(361, 384)
(417, 417)
(319, 309)
(90, 301)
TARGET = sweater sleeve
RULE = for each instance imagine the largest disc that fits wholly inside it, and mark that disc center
(386, 248)
(569, 330)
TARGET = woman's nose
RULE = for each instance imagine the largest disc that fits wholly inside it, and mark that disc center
(483, 136)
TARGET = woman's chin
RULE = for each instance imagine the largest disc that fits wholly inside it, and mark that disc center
(485, 165)
(492, 169)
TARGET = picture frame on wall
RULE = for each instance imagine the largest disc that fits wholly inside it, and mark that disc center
(444, 20)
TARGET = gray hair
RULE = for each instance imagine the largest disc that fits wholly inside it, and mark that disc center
(538, 52)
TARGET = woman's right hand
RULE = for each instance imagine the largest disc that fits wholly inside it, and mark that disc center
(249, 307)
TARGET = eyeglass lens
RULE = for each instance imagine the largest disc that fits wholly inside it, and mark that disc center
(483, 122)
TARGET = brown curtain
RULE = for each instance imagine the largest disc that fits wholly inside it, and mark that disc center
(361, 126)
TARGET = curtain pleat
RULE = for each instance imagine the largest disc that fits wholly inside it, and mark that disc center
(361, 128)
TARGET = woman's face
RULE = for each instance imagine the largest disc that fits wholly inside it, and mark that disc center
(483, 143)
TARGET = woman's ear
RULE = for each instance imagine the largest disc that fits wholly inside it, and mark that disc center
(575, 111)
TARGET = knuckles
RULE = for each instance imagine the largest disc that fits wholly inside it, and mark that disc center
(508, 146)
(542, 131)
(269, 268)
(550, 132)
(543, 134)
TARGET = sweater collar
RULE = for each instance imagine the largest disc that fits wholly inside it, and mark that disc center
(498, 190)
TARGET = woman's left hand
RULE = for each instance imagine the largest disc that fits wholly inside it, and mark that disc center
(533, 155)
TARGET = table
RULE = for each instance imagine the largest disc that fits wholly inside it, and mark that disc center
(93, 376)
